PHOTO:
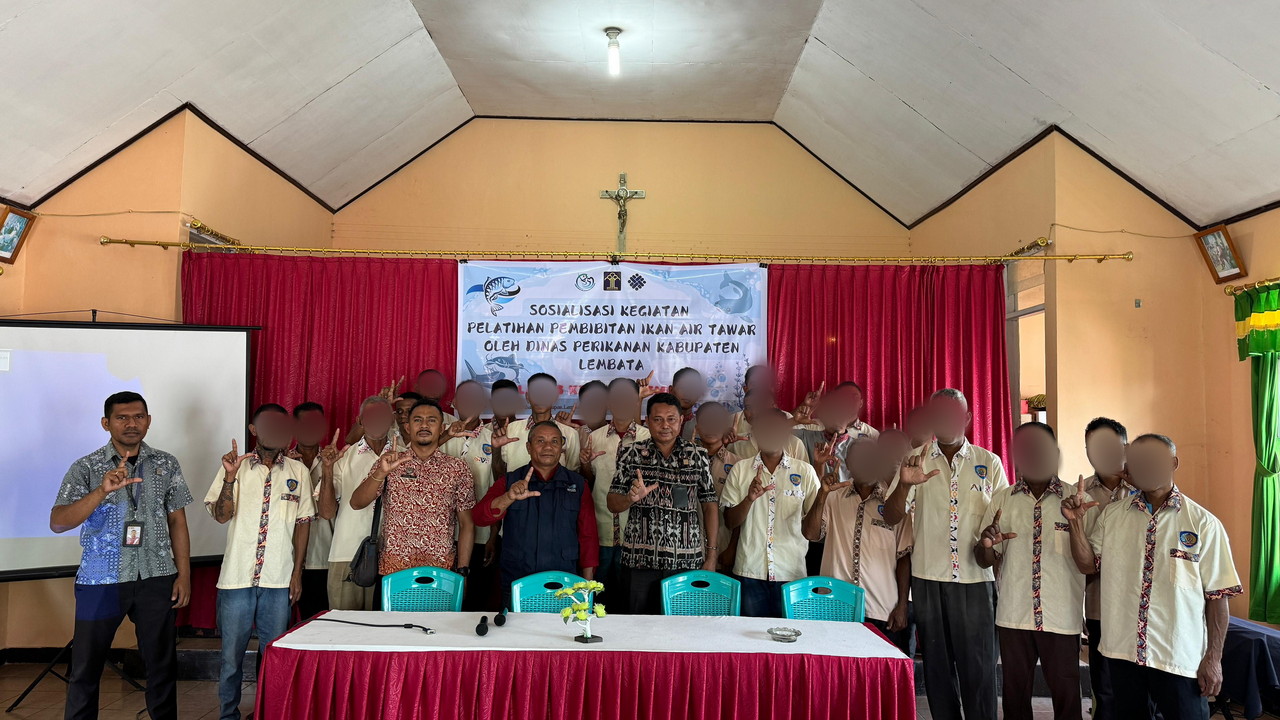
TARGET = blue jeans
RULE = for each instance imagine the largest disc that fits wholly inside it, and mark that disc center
(761, 598)
(239, 611)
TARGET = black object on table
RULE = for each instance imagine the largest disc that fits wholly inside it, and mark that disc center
(1250, 669)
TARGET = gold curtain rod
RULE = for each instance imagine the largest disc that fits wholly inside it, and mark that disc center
(1237, 289)
(516, 255)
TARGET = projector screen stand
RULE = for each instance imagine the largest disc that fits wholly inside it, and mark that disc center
(48, 670)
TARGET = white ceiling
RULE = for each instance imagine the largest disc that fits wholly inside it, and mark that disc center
(910, 100)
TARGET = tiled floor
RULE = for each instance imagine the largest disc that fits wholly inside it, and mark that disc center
(118, 700)
(1042, 707)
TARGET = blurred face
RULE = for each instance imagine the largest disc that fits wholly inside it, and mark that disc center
(542, 395)
(689, 389)
(762, 378)
(757, 403)
(430, 385)
(128, 423)
(713, 422)
(918, 427)
(376, 419)
(896, 443)
(424, 425)
(853, 397)
(506, 402)
(402, 406)
(835, 411)
(312, 427)
(274, 430)
(1035, 455)
(1151, 465)
(469, 400)
(949, 418)
(593, 405)
(868, 462)
(624, 401)
(1106, 451)
(545, 445)
(770, 431)
(664, 423)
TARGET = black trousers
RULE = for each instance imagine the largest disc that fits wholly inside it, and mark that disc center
(642, 588)
(99, 611)
(1176, 696)
(315, 593)
(1059, 657)
(1099, 674)
(957, 624)
(483, 591)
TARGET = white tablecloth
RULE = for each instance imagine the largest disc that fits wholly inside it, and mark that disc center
(629, 633)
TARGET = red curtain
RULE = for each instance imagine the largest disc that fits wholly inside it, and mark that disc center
(899, 332)
(334, 330)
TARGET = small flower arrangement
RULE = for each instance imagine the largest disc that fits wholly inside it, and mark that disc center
(583, 608)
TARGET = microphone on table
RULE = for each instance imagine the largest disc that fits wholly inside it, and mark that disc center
(501, 618)
(483, 627)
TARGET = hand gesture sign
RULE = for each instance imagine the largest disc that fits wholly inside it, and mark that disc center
(639, 490)
(731, 436)
(231, 461)
(1075, 507)
(992, 536)
(520, 489)
(831, 483)
(912, 472)
(500, 437)
(459, 428)
(824, 455)
(587, 456)
(118, 477)
(803, 415)
(645, 389)
(390, 391)
(387, 464)
(811, 401)
(330, 453)
(565, 417)
(758, 488)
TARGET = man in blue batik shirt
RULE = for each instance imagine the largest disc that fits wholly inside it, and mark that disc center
(127, 498)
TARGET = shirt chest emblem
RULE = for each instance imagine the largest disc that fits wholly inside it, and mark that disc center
(292, 484)
(1188, 539)
(795, 479)
(488, 449)
(980, 471)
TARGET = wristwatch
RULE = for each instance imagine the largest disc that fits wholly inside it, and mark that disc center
(464, 571)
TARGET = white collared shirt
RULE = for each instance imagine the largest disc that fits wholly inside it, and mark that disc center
(477, 453)
(516, 455)
(269, 502)
(320, 537)
(1040, 586)
(351, 526)
(607, 440)
(771, 545)
(1104, 497)
(861, 548)
(949, 510)
(1159, 571)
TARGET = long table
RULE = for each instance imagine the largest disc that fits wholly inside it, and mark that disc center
(647, 667)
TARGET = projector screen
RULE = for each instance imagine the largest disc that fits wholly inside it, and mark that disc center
(54, 378)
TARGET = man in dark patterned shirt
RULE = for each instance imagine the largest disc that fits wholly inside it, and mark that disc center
(665, 483)
(127, 498)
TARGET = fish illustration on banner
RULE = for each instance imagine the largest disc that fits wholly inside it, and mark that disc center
(497, 291)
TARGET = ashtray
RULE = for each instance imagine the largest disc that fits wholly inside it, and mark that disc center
(784, 634)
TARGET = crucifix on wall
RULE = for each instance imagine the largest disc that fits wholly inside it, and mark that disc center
(621, 197)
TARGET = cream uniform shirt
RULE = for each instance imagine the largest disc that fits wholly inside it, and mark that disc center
(269, 502)
(351, 526)
(320, 538)
(477, 453)
(607, 440)
(861, 548)
(1159, 569)
(770, 544)
(949, 510)
(747, 448)
(516, 455)
(1040, 586)
(1104, 497)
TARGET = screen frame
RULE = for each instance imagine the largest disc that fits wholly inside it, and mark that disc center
(48, 573)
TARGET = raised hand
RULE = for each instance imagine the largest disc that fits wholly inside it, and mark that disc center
(500, 437)
(912, 472)
(586, 456)
(758, 488)
(831, 483)
(565, 417)
(387, 464)
(459, 428)
(118, 477)
(645, 389)
(811, 400)
(731, 436)
(639, 490)
(824, 455)
(329, 454)
(1075, 507)
(390, 391)
(231, 461)
(803, 415)
(992, 536)
(519, 490)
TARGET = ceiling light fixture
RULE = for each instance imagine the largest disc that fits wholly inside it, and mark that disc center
(615, 52)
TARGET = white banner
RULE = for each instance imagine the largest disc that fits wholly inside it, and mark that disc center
(582, 321)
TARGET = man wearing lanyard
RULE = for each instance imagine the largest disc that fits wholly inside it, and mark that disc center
(127, 498)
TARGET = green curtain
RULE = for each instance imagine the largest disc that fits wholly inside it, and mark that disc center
(1258, 338)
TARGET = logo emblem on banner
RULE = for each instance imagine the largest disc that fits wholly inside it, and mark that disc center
(497, 291)
(613, 280)
(584, 282)
(636, 281)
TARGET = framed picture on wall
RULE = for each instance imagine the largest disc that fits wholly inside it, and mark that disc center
(1220, 254)
(15, 226)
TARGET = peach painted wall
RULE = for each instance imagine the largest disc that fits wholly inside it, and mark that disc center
(535, 185)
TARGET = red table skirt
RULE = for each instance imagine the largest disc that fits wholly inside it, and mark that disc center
(307, 684)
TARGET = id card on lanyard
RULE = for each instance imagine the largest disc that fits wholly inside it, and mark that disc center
(133, 528)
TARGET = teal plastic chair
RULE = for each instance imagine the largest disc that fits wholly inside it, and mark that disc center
(423, 589)
(536, 593)
(823, 598)
(701, 592)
